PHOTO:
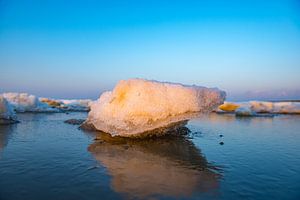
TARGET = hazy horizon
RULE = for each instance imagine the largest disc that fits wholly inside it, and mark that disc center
(58, 49)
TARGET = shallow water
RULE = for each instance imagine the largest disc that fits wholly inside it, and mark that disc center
(44, 158)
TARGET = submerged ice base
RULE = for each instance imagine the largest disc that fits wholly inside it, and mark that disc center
(137, 106)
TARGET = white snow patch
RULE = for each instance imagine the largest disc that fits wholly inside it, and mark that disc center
(136, 106)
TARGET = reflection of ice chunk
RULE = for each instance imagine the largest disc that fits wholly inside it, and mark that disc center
(23, 102)
(7, 114)
(167, 166)
(136, 106)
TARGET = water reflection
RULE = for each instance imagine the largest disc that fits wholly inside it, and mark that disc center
(166, 166)
(5, 133)
(214, 118)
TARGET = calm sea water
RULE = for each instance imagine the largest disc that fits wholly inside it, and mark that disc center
(44, 158)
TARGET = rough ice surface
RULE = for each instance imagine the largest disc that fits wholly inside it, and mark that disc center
(7, 114)
(255, 107)
(136, 106)
(23, 102)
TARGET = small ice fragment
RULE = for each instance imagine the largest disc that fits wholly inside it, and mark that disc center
(229, 107)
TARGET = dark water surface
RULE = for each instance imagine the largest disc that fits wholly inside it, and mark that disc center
(44, 158)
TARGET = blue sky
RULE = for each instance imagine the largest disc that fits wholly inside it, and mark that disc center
(73, 49)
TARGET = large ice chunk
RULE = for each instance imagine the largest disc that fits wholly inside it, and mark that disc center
(23, 102)
(7, 114)
(136, 106)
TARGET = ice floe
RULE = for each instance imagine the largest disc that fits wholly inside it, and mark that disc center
(68, 104)
(254, 108)
(76, 104)
(228, 107)
(7, 114)
(244, 111)
(23, 102)
(136, 106)
(275, 107)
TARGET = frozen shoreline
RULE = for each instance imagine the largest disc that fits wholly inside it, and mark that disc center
(13, 103)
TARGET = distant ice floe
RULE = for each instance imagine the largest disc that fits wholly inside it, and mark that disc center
(275, 107)
(136, 106)
(76, 104)
(7, 113)
(23, 102)
(253, 108)
(68, 104)
(244, 111)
